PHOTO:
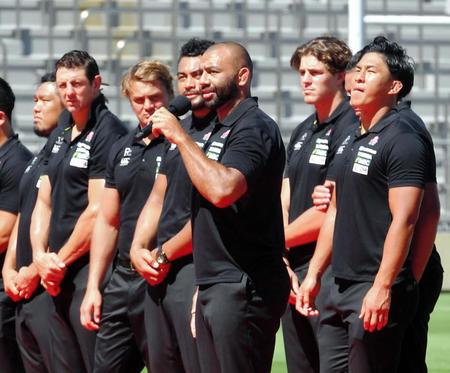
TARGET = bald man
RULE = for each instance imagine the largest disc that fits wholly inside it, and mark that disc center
(237, 222)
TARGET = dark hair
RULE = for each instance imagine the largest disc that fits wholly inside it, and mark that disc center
(353, 61)
(77, 59)
(400, 65)
(194, 47)
(48, 77)
(331, 51)
(7, 98)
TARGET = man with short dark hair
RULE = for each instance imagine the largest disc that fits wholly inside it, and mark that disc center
(13, 161)
(165, 227)
(68, 203)
(19, 272)
(237, 228)
(370, 222)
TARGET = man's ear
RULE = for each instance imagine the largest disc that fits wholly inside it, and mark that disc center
(243, 76)
(396, 87)
(97, 82)
(3, 119)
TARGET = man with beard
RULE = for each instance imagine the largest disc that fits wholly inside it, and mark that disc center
(237, 227)
(67, 205)
(13, 160)
(20, 274)
(164, 226)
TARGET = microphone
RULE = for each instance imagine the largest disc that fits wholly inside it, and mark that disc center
(178, 106)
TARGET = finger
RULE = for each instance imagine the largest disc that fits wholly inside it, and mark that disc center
(373, 321)
(381, 321)
(97, 313)
(292, 298)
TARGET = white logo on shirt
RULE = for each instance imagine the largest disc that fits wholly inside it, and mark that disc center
(319, 154)
(81, 156)
(363, 160)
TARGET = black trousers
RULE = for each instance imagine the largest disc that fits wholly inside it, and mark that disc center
(32, 331)
(73, 345)
(121, 343)
(10, 361)
(344, 344)
(300, 332)
(414, 346)
(236, 324)
(171, 347)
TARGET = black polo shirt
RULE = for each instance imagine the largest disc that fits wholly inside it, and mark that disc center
(391, 154)
(73, 163)
(14, 157)
(131, 170)
(176, 210)
(309, 153)
(246, 237)
(28, 191)
(404, 109)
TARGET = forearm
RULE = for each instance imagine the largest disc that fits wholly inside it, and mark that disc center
(180, 244)
(10, 257)
(215, 182)
(322, 254)
(395, 251)
(425, 230)
(80, 239)
(147, 226)
(102, 252)
(305, 229)
(39, 229)
(7, 222)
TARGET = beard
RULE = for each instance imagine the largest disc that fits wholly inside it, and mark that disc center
(42, 132)
(223, 94)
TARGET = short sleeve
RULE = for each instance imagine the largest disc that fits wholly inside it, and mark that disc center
(163, 167)
(248, 150)
(407, 161)
(10, 176)
(110, 180)
(104, 140)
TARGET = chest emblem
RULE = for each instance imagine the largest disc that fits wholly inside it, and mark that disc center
(298, 145)
(214, 150)
(126, 157)
(80, 158)
(57, 144)
(374, 141)
(320, 152)
(363, 160)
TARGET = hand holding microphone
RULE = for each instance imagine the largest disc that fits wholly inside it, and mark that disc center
(180, 105)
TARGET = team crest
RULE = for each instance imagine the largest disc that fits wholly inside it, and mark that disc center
(225, 134)
(374, 141)
(90, 136)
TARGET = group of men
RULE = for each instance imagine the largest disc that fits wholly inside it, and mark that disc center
(179, 245)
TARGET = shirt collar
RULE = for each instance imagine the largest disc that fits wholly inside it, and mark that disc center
(385, 121)
(200, 123)
(244, 106)
(8, 145)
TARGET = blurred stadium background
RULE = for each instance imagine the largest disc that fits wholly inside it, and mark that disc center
(35, 33)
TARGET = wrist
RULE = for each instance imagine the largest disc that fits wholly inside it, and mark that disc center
(161, 257)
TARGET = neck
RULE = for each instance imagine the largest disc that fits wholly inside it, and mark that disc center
(325, 109)
(201, 113)
(370, 118)
(229, 106)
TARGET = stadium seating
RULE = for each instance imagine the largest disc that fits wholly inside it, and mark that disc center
(34, 33)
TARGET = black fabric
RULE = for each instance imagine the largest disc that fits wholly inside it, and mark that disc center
(404, 109)
(176, 210)
(13, 160)
(10, 360)
(390, 154)
(33, 334)
(131, 170)
(73, 163)
(246, 237)
(311, 149)
(414, 345)
(171, 347)
(344, 344)
(236, 326)
(121, 342)
(28, 191)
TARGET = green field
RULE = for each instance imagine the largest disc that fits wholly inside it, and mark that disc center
(438, 356)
